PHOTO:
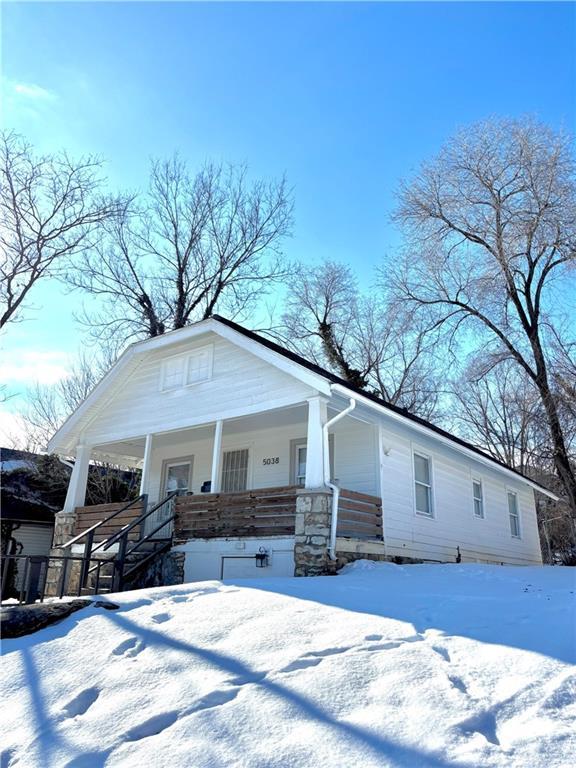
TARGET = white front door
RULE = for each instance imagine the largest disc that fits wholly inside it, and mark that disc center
(177, 477)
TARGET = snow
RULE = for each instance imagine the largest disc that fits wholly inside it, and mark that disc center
(382, 665)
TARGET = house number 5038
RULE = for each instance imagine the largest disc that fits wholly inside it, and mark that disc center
(273, 460)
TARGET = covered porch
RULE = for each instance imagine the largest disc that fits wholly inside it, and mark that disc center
(247, 478)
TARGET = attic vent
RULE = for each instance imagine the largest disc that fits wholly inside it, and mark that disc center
(188, 369)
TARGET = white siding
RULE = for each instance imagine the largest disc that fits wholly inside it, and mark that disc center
(356, 456)
(241, 383)
(37, 539)
(453, 523)
(355, 462)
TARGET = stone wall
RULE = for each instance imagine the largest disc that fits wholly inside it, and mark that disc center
(64, 523)
(165, 571)
(312, 533)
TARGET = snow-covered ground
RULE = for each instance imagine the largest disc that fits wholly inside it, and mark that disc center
(431, 665)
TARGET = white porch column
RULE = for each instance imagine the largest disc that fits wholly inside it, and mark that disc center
(146, 465)
(216, 457)
(317, 417)
(76, 494)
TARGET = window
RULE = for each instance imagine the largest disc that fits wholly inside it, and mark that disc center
(185, 370)
(235, 470)
(298, 457)
(173, 373)
(199, 366)
(478, 498)
(513, 514)
(177, 476)
(300, 464)
(423, 484)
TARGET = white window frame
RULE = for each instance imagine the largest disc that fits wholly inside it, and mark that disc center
(512, 492)
(297, 448)
(229, 449)
(478, 481)
(186, 358)
(176, 462)
(303, 443)
(416, 451)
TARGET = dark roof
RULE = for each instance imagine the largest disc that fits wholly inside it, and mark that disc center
(368, 395)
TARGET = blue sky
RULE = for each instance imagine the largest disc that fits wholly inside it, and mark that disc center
(345, 98)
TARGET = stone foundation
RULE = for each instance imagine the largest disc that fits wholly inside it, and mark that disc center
(312, 533)
(349, 550)
(166, 571)
(64, 523)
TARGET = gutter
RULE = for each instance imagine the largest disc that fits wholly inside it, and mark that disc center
(335, 489)
(341, 390)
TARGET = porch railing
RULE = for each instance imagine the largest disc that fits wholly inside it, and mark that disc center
(359, 515)
(268, 512)
(106, 519)
(259, 512)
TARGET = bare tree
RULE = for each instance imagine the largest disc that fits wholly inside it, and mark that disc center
(49, 208)
(363, 338)
(49, 405)
(195, 243)
(491, 229)
(501, 412)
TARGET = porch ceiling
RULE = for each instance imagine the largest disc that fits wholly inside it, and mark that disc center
(134, 448)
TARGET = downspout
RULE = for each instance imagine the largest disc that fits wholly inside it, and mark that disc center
(334, 488)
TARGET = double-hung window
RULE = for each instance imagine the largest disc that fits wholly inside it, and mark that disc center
(300, 464)
(478, 498)
(423, 484)
(184, 370)
(513, 514)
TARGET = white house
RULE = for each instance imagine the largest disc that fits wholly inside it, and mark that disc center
(275, 456)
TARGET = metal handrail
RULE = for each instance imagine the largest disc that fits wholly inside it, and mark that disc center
(143, 497)
(149, 536)
(126, 530)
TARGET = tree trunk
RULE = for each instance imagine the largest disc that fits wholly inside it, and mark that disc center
(561, 458)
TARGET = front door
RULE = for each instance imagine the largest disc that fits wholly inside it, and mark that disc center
(178, 477)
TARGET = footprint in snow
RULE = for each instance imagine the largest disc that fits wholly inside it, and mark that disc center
(6, 758)
(328, 652)
(300, 664)
(152, 726)
(483, 723)
(441, 652)
(81, 702)
(129, 648)
(160, 618)
(214, 699)
(458, 683)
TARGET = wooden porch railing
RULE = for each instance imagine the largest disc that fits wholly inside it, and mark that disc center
(88, 516)
(259, 512)
(359, 515)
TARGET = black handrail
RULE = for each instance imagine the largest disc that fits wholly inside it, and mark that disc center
(150, 535)
(143, 497)
(123, 533)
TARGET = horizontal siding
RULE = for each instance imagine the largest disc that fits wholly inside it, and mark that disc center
(356, 456)
(453, 525)
(355, 463)
(241, 383)
(36, 539)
